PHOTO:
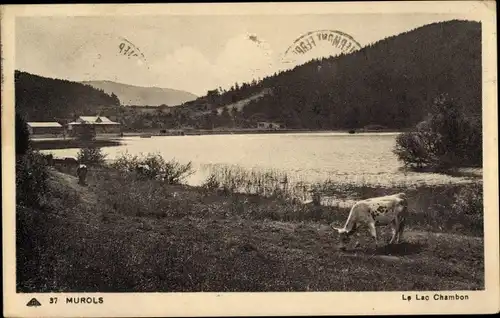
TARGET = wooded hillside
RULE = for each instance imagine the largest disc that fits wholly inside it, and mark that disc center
(46, 99)
(392, 82)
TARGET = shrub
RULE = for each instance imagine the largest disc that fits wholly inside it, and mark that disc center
(469, 200)
(22, 135)
(91, 155)
(176, 173)
(171, 172)
(412, 150)
(446, 139)
(316, 195)
(31, 178)
(211, 183)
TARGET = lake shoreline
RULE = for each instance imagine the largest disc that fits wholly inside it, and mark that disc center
(56, 143)
(111, 140)
(243, 131)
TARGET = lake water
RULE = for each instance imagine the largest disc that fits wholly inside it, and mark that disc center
(311, 157)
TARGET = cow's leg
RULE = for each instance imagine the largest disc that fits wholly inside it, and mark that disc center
(373, 232)
(400, 230)
(394, 229)
(357, 244)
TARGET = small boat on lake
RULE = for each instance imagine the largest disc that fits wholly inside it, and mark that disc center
(145, 136)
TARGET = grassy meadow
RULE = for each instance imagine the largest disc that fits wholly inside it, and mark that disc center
(126, 233)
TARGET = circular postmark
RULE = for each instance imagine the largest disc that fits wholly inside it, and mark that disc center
(130, 50)
(109, 56)
(319, 44)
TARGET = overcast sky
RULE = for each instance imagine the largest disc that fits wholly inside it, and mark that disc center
(191, 53)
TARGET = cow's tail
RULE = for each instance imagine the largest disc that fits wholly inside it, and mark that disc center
(350, 224)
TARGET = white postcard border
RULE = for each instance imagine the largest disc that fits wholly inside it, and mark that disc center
(248, 304)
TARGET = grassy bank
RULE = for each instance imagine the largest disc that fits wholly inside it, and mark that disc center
(435, 207)
(123, 233)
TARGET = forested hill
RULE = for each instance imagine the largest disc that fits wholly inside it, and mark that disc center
(45, 99)
(391, 82)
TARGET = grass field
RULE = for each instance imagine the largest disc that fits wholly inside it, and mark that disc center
(123, 234)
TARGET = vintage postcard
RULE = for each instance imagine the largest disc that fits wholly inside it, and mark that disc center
(250, 159)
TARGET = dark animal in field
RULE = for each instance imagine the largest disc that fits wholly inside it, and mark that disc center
(143, 170)
(379, 211)
(82, 174)
(67, 161)
(49, 159)
(70, 161)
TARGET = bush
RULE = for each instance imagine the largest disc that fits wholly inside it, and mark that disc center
(211, 183)
(31, 178)
(22, 135)
(171, 172)
(414, 148)
(469, 200)
(91, 155)
(446, 139)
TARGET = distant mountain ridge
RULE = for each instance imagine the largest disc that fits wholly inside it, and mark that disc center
(143, 96)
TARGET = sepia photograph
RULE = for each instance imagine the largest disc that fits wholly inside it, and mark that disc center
(245, 148)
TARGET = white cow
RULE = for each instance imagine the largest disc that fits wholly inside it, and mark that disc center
(379, 211)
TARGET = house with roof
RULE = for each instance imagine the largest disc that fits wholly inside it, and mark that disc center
(98, 125)
(47, 128)
(269, 125)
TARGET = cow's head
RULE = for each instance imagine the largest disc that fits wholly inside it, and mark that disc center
(401, 195)
(343, 235)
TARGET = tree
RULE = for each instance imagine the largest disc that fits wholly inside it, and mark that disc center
(225, 117)
(211, 94)
(31, 167)
(86, 132)
(444, 140)
(91, 155)
(22, 135)
(115, 99)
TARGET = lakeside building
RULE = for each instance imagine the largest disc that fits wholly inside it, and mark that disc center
(47, 129)
(268, 125)
(100, 125)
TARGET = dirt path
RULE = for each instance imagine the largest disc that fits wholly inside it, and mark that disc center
(80, 208)
(72, 182)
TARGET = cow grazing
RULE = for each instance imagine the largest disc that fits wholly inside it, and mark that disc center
(82, 174)
(379, 211)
